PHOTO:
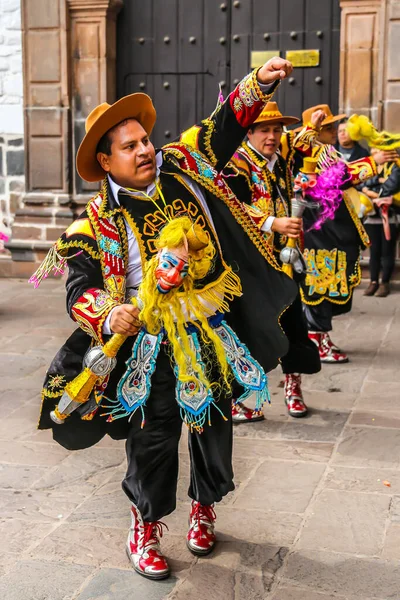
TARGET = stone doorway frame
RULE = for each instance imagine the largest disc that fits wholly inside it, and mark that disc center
(69, 54)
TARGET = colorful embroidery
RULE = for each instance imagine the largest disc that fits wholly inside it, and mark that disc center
(217, 186)
(116, 286)
(247, 100)
(362, 169)
(56, 381)
(237, 105)
(326, 272)
(91, 310)
(249, 90)
(209, 126)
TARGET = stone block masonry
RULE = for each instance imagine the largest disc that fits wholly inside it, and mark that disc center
(12, 159)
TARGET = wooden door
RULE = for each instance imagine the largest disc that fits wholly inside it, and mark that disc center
(179, 51)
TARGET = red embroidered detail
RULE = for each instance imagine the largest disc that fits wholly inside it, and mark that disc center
(91, 310)
(361, 169)
(113, 250)
(247, 100)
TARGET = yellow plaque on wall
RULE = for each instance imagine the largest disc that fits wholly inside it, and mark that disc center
(260, 57)
(303, 58)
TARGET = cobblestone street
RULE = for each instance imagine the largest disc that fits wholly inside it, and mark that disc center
(316, 510)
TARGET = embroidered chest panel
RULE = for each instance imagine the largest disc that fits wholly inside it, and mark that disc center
(113, 248)
(147, 217)
(199, 169)
(271, 192)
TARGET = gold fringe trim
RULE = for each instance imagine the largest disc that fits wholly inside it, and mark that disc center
(357, 222)
(138, 236)
(218, 293)
(54, 263)
(209, 129)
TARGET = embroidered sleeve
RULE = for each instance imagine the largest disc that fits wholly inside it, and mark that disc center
(218, 136)
(361, 169)
(91, 310)
(258, 216)
(247, 100)
(306, 139)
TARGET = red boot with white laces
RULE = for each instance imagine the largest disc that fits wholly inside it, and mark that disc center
(294, 396)
(143, 547)
(201, 537)
(328, 351)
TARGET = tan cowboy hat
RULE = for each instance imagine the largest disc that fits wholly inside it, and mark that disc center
(330, 117)
(271, 113)
(103, 118)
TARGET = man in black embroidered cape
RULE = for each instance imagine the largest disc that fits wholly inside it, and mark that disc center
(333, 252)
(106, 250)
(261, 177)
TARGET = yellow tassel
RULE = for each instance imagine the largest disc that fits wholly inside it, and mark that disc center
(80, 388)
(360, 127)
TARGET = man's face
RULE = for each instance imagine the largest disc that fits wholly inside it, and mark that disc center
(343, 136)
(172, 269)
(132, 162)
(328, 134)
(266, 138)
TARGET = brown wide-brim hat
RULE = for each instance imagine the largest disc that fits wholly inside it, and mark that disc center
(103, 118)
(330, 117)
(272, 114)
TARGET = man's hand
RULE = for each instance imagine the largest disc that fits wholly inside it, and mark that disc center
(290, 226)
(383, 156)
(387, 200)
(275, 68)
(317, 117)
(124, 319)
(369, 193)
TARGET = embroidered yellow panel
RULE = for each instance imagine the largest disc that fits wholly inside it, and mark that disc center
(326, 272)
(191, 136)
(80, 227)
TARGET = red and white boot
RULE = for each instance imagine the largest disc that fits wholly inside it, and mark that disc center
(294, 396)
(242, 414)
(143, 547)
(201, 538)
(328, 351)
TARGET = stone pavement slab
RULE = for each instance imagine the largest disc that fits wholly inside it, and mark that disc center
(113, 584)
(316, 510)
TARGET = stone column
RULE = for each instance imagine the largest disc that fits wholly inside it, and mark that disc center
(69, 68)
(93, 68)
(361, 60)
(370, 66)
(391, 68)
(47, 128)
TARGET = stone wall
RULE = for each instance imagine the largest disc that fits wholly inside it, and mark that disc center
(369, 63)
(12, 179)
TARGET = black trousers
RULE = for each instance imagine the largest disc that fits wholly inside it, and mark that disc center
(303, 355)
(152, 452)
(382, 252)
(319, 317)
